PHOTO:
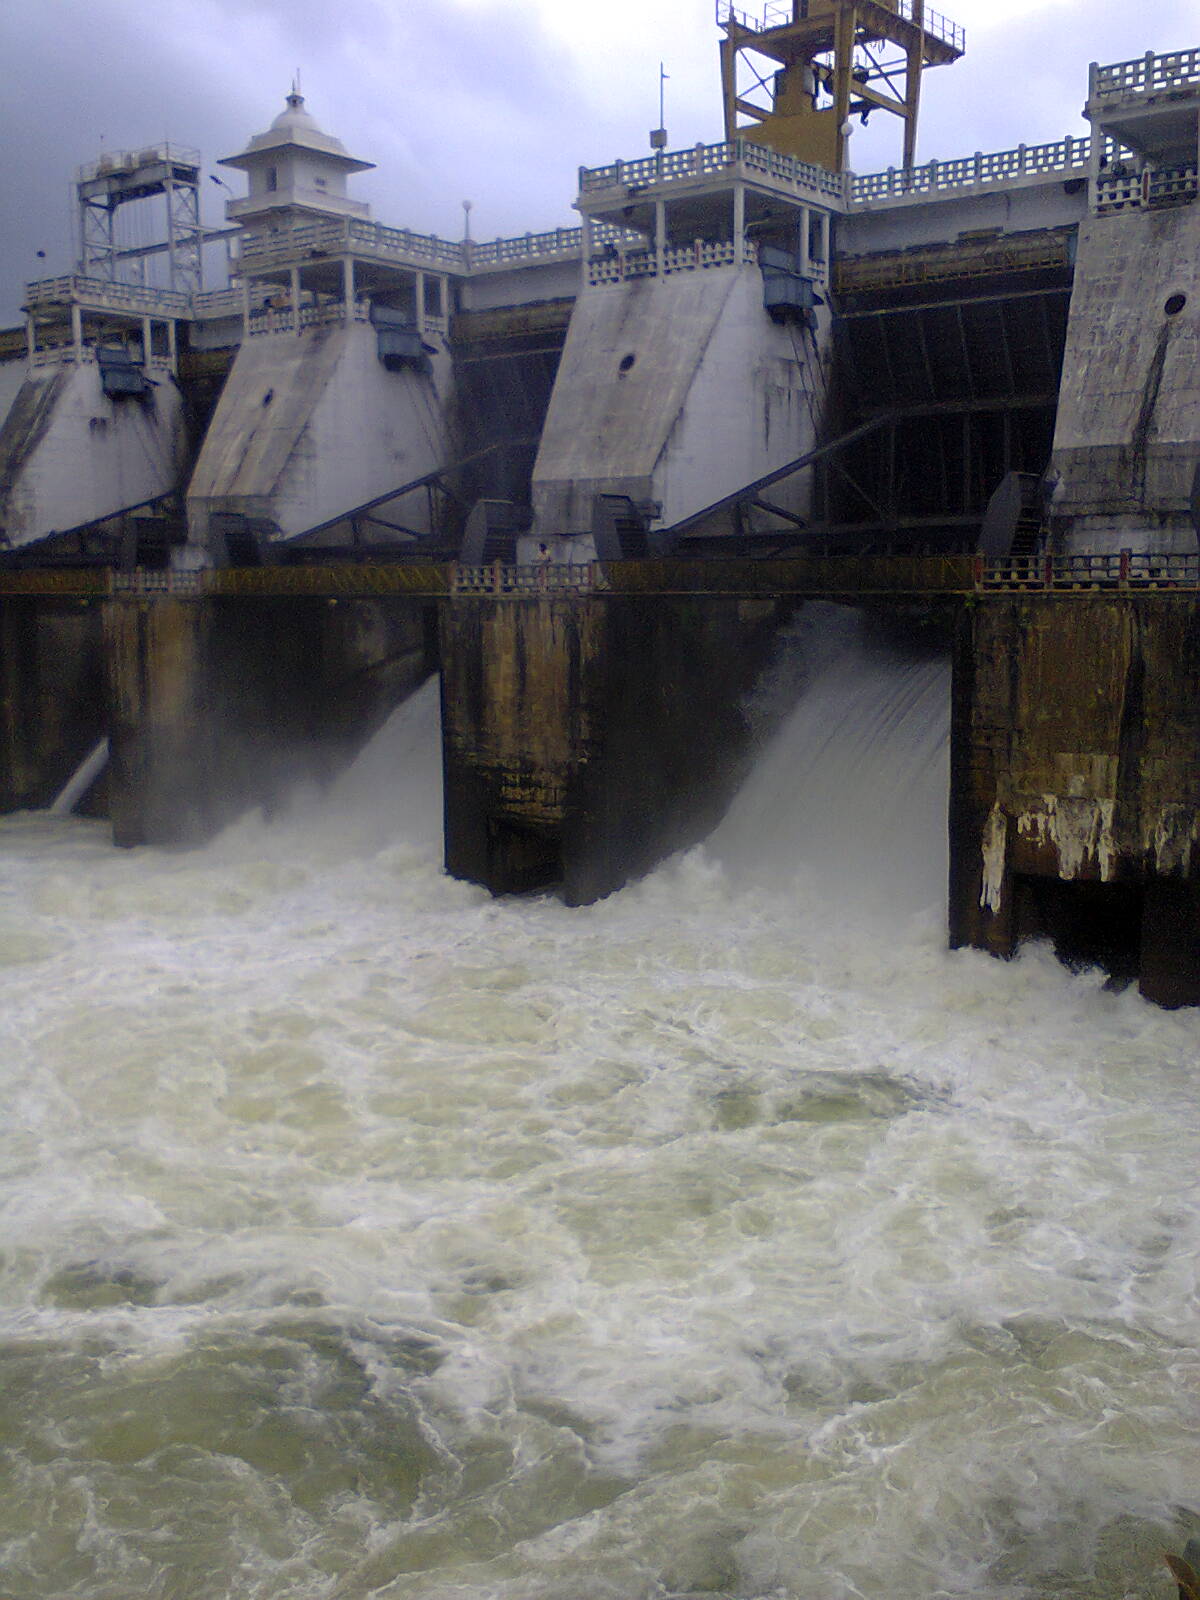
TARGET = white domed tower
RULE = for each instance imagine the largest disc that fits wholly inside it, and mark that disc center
(295, 168)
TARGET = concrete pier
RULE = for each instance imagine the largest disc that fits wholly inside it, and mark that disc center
(215, 706)
(1075, 783)
(51, 695)
(586, 738)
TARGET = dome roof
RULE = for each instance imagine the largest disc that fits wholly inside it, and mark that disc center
(294, 117)
(297, 127)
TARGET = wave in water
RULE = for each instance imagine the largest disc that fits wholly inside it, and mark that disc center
(363, 1237)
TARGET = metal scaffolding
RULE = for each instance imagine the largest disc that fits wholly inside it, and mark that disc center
(113, 181)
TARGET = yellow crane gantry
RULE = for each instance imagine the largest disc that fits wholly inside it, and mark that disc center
(833, 59)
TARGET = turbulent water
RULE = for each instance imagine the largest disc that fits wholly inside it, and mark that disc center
(363, 1236)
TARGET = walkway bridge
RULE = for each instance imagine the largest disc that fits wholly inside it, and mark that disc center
(840, 577)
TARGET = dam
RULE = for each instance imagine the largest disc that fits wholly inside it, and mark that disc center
(366, 1234)
(577, 474)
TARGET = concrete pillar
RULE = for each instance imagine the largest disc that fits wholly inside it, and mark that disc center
(805, 252)
(245, 308)
(348, 288)
(162, 730)
(739, 221)
(1075, 783)
(294, 285)
(1096, 150)
(30, 337)
(173, 344)
(660, 238)
(147, 339)
(77, 331)
(419, 300)
(217, 705)
(51, 695)
(576, 750)
(585, 265)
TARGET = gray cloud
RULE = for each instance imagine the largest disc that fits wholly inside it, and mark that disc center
(466, 99)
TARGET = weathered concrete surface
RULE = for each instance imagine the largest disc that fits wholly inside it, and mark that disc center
(585, 739)
(70, 455)
(310, 425)
(13, 373)
(1128, 436)
(218, 706)
(1076, 757)
(51, 696)
(653, 372)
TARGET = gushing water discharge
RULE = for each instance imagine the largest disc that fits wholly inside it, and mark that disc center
(364, 1236)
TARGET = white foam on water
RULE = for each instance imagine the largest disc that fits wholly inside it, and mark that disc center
(361, 1235)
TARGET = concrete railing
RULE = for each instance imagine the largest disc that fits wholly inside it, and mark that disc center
(151, 581)
(261, 248)
(1148, 190)
(774, 14)
(280, 319)
(528, 247)
(1124, 569)
(217, 303)
(706, 160)
(1147, 74)
(105, 295)
(618, 266)
(999, 168)
(55, 355)
(543, 577)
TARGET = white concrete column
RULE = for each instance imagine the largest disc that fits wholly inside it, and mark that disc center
(30, 337)
(826, 240)
(660, 238)
(419, 300)
(245, 308)
(805, 225)
(147, 339)
(295, 297)
(173, 344)
(77, 331)
(739, 221)
(348, 288)
(587, 252)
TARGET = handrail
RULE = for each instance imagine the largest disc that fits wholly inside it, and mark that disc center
(775, 14)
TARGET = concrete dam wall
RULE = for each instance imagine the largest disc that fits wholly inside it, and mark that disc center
(586, 475)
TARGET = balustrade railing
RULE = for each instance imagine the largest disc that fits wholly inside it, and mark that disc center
(1122, 569)
(281, 319)
(1147, 74)
(107, 295)
(356, 237)
(529, 246)
(1124, 189)
(557, 577)
(618, 266)
(1066, 156)
(706, 160)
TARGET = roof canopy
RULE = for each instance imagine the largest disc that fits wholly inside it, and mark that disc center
(294, 128)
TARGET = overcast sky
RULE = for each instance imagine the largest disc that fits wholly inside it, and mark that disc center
(493, 101)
